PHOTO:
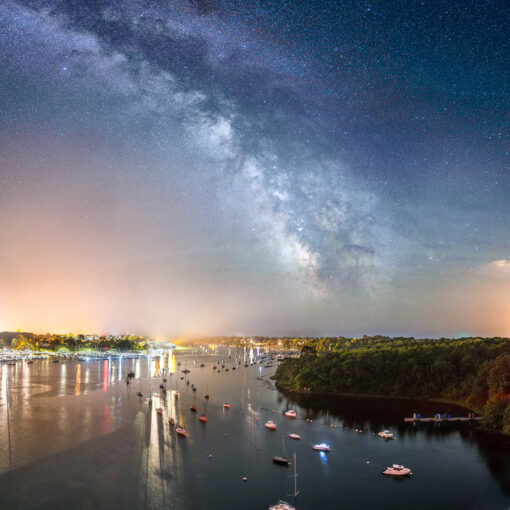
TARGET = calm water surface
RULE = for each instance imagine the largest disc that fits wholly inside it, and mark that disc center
(74, 435)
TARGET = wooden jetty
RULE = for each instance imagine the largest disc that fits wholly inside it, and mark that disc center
(442, 418)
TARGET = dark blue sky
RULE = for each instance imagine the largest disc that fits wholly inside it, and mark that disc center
(264, 167)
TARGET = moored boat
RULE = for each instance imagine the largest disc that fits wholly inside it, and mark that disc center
(295, 436)
(290, 413)
(226, 405)
(181, 432)
(282, 505)
(322, 447)
(282, 459)
(397, 470)
(159, 410)
(386, 434)
(270, 425)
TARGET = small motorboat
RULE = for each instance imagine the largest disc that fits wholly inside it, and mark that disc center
(282, 505)
(322, 447)
(290, 413)
(206, 395)
(181, 432)
(140, 394)
(193, 389)
(202, 418)
(397, 470)
(193, 408)
(386, 434)
(161, 386)
(186, 371)
(176, 394)
(281, 460)
(295, 436)
(149, 401)
(271, 425)
(226, 405)
(202, 365)
(159, 410)
(131, 374)
(171, 421)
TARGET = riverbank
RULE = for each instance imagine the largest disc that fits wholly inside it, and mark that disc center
(472, 373)
(287, 389)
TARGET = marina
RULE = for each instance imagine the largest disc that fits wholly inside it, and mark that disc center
(155, 451)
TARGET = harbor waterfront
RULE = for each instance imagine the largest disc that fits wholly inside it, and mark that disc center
(76, 434)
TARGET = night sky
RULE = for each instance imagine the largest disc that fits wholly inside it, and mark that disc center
(266, 167)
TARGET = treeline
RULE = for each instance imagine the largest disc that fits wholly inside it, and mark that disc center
(73, 343)
(474, 372)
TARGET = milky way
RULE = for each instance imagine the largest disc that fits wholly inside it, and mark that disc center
(222, 167)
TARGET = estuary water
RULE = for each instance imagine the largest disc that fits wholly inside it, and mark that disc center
(74, 435)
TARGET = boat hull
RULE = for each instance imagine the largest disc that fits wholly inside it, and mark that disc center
(281, 460)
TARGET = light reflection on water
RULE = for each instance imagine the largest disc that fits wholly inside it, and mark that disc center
(72, 419)
(78, 379)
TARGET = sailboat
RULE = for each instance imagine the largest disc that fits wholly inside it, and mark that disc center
(176, 394)
(283, 460)
(194, 406)
(203, 417)
(283, 505)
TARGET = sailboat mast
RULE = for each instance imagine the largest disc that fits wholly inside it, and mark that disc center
(296, 492)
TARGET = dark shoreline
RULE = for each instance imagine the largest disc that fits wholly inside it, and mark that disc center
(285, 389)
(479, 428)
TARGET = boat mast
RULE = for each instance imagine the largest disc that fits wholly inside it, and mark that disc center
(296, 492)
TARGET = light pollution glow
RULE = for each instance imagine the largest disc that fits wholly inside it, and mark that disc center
(197, 177)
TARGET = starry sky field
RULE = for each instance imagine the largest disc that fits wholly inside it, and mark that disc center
(269, 167)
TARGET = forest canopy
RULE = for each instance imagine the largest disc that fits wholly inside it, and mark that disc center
(474, 372)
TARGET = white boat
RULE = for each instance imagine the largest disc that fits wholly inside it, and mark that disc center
(290, 413)
(294, 436)
(270, 425)
(386, 434)
(397, 470)
(282, 505)
(322, 447)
